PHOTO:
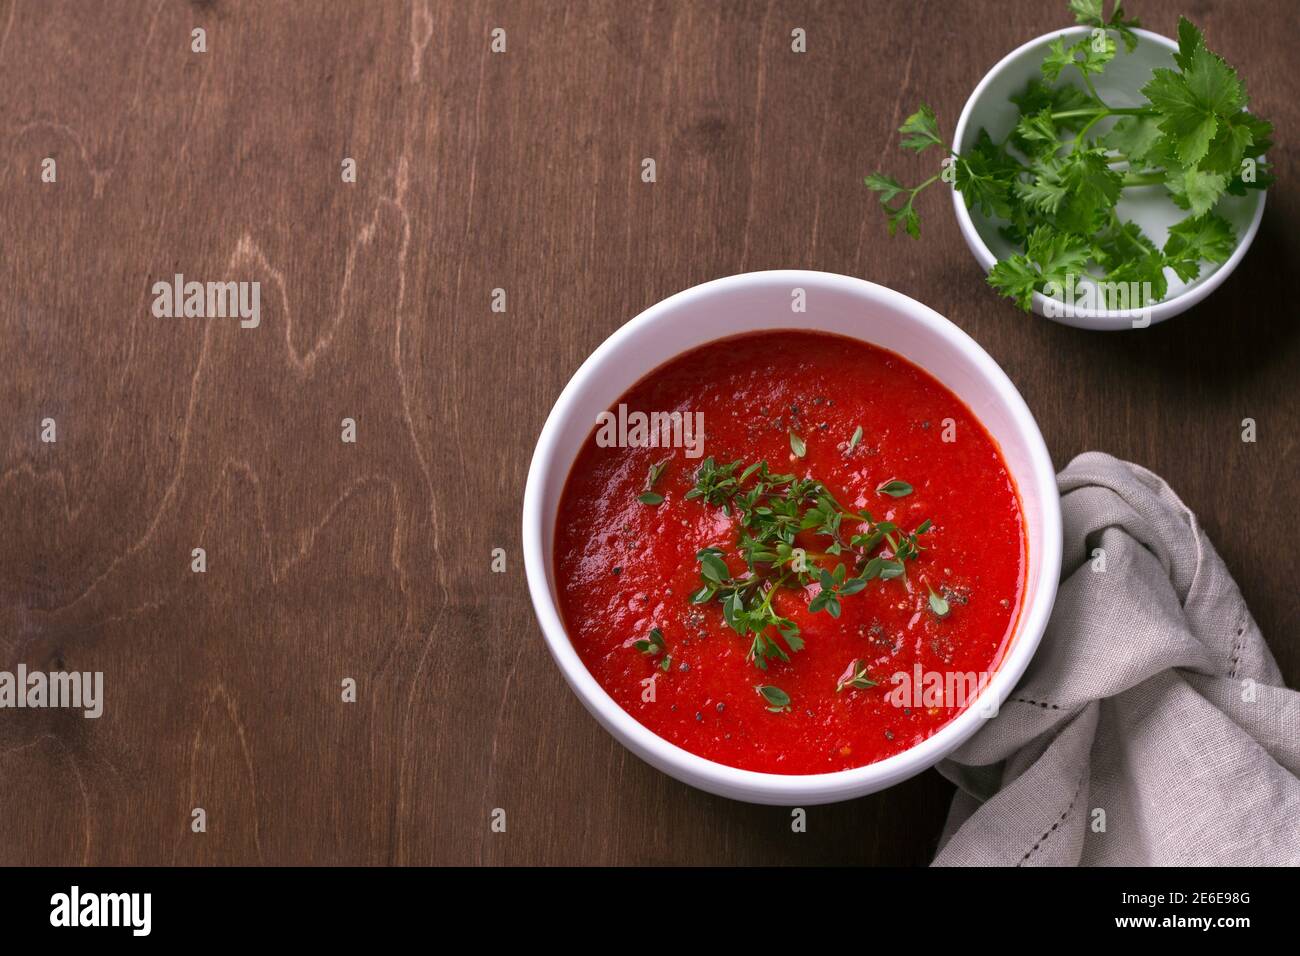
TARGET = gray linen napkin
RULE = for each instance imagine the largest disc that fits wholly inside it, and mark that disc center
(1152, 726)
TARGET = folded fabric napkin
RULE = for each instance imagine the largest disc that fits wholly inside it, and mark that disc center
(1152, 726)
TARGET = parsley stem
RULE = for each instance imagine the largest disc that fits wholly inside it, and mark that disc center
(1078, 139)
(1108, 111)
(1117, 228)
(1087, 81)
(912, 193)
(1144, 179)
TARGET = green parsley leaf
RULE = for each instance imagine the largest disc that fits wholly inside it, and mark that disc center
(1053, 187)
(1051, 257)
(1134, 136)
(921, 129)
(887, 186)
(1045, 191)
(1090, 13)
(1189, 41)
(1036, 133)
(1207, 237)
(1092, 189)
(986, 175)
(1193, 102)
(1195, 189)
(1057, 59)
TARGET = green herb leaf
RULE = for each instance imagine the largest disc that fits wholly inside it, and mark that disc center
(1054, 185)
(894, 487)
(857, 437)
(1089, 13)
(986, 175)
(777, 699)
(713, 567)
(1052, 257)
(1135, 137)
(650, 498)
(703, 596)
(1195, 189)
(1189, 41)
(1207, 238)
(1192, 102)
(652, 644)
(887, 186)
(1058, 57)
(938, 604)
(797, 445)
(771, 510)
(854, 676)
(921, 130)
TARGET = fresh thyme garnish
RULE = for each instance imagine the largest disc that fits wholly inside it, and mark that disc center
(652, 644)
(833, 588)
(650, 496)
(938, 604)
(857, 437)
(773, 511)
(797, 446)
(777, 699)
(855, 675)
(894, 488)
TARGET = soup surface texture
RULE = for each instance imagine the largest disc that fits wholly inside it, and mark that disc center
(628, 565)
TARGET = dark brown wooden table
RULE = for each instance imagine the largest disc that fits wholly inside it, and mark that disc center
(477, 171)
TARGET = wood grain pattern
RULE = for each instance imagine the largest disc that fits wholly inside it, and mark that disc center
(476, 171)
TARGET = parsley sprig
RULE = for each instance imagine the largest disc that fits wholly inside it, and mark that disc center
(1055, 181)
(773, 510)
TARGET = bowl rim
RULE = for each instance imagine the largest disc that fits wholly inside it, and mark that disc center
(756, 786)
(1103, 319)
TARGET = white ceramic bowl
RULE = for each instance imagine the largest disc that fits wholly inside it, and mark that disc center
(989, 107)
(762, 300)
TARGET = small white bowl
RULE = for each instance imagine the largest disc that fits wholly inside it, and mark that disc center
(839, 304)
(989, 107)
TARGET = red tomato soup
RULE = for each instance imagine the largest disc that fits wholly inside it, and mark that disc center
(664, 638)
